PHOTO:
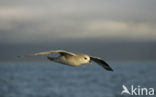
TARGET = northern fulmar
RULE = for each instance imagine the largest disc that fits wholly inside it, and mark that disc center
(73, 59)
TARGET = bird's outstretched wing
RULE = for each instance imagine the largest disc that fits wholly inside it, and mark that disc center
(101, 62)
(61, 52)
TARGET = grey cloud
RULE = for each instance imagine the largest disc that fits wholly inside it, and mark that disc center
(71, 24)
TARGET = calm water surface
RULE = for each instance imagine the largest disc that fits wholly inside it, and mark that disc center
(56, 80)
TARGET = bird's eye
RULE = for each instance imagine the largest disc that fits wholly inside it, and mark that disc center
(85, 58)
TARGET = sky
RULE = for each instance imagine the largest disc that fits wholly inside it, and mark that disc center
(114, 26)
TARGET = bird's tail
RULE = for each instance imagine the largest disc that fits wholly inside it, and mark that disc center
(51, 58)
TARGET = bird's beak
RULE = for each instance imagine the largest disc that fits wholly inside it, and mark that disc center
(89, 62)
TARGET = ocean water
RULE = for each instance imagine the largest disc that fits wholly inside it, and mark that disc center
(56, 80)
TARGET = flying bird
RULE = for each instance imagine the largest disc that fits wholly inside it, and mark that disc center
(73, 59)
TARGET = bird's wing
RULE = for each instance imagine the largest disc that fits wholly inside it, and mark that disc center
(101, 62)
(61, 52)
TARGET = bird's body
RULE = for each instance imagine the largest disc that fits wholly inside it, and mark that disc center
(73, 59)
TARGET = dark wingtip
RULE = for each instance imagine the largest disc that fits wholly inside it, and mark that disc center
(110, 69)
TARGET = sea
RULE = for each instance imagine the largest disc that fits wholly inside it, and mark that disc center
(48, 79)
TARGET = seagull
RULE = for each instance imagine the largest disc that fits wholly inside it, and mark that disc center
(73, 59)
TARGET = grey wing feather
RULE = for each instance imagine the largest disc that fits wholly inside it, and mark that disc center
(62, 52)
(101, 62)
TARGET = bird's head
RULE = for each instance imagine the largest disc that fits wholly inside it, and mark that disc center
(86, 59)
